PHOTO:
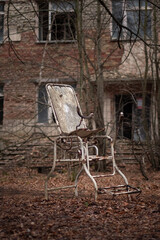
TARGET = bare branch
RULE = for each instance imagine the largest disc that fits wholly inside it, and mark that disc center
(121, 26)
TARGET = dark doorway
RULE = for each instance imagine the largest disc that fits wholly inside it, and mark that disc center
(124, 103)
(132, 125)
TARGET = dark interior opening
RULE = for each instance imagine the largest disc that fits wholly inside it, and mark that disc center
(124, 104)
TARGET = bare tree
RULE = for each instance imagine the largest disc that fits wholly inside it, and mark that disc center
(82, 55)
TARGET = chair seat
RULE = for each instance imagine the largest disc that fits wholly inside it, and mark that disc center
(85, 132)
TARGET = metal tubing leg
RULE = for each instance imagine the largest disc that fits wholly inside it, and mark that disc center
(122, 175)
(76, 181)
(87, 155)
(92, 179)
(115, 167)
(52, 169)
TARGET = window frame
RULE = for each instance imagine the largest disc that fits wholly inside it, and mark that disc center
(124, 35)
(49, 24)
(2, 16)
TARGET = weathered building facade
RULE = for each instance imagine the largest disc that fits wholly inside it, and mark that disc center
(76, 42)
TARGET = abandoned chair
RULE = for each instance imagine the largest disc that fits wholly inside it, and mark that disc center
(76, 141)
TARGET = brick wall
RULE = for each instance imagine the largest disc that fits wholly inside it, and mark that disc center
(25, 62)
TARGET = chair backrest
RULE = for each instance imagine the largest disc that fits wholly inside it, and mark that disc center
(64, 105)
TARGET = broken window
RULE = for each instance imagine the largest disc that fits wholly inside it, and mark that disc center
(57, 21)
(45, 114)
(1, 21)
(135, 15)
(1, 104)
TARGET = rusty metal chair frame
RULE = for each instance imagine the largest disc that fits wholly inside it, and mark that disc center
(72, 128)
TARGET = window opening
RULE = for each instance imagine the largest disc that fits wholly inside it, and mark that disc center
(42, 105)
(1, 21)
(130, 13)
(43, 21)
(57, 21)
(45, 114)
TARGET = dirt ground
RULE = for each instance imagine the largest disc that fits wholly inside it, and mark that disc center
(25, 214)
